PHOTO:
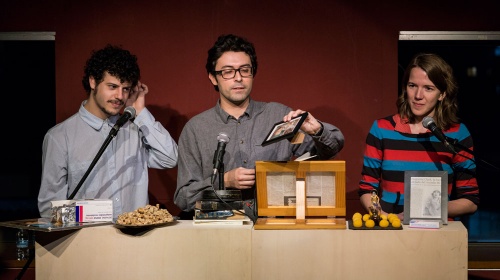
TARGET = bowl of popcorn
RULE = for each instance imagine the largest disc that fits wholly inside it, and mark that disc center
(146, 216)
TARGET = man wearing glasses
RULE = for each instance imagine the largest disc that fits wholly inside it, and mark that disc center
(231, 68)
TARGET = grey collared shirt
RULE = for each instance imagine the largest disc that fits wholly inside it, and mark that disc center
(198, 142)
(120, 174)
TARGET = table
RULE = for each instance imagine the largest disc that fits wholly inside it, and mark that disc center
(187, 251)
(361, 254)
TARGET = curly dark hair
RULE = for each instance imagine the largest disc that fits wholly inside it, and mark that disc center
(226, 43)
(116, 61)
(441, 74)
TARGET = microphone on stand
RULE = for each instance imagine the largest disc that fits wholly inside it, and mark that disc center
(219, 153)
(128, 113)
(428, 122)
(219, 202)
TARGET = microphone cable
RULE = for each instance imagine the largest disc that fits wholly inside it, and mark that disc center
(231, 207)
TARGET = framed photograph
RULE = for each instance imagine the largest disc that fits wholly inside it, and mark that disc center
(284, 130)
(426, 196)
(324, 188)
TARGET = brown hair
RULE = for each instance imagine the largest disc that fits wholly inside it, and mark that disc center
(441, 74)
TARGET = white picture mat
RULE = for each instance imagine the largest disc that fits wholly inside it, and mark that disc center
(426, 196)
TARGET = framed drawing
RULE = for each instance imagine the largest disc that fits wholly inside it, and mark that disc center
(426, 196)
(284, 130)
(300, 194)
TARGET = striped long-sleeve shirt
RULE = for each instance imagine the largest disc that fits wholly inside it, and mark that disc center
(391, 149)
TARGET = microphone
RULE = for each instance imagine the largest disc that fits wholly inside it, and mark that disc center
(128, 114)
(219, 153)
(428, 122)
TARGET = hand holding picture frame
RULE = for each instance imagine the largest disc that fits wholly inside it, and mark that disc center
(426, 196)
(284, 130)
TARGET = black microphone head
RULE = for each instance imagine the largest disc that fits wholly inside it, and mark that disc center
(130, 110)
(427, 121)
(222, 137)
(128, 114)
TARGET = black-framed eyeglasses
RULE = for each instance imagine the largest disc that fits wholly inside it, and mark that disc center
(229, 73)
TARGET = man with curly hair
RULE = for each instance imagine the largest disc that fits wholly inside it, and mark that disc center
(111, 80)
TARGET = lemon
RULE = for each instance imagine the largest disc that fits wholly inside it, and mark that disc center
(370, 223)
(357, 215)
(396, 223)
(357, 223)
(366, 217)
(391, 216)
(383, 217)
(383, 223)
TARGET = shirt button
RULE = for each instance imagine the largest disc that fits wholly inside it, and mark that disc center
(241, 141)
(117, 199)
(244, 161)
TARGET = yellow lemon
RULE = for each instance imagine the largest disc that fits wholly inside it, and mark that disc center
(370, 223)
(383, 223)
(357, 215)
(357, 223)
(391, 216)
(366, 217)
(396, 223)
(383, 217)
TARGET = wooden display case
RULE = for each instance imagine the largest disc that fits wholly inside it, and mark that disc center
(300, 195)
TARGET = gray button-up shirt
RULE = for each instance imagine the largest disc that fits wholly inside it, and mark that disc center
(198, 142)
(120, 174)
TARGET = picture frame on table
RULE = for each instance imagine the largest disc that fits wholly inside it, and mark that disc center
(324, 191)
(284, 130)
(426, 196)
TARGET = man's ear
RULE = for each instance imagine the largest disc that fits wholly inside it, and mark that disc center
(213, 79)
(92, 83)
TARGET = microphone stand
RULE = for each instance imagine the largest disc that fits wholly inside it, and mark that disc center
(221, 176)
(110, 137)
(220, 195)
(455, 144)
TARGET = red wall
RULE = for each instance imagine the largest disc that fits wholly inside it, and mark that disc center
(337, 60)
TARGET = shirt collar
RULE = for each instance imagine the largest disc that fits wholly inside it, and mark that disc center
(402, 124)
(93, 121)
(253, 109)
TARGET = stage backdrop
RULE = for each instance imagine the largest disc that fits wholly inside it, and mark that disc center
(336, 59)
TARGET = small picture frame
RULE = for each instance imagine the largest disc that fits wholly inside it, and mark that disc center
(310, 200)
(426, 196)
(284, 130)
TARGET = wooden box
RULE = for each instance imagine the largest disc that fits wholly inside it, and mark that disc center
(300, 194)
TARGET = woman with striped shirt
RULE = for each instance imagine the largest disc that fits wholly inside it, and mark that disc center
(400, 142)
